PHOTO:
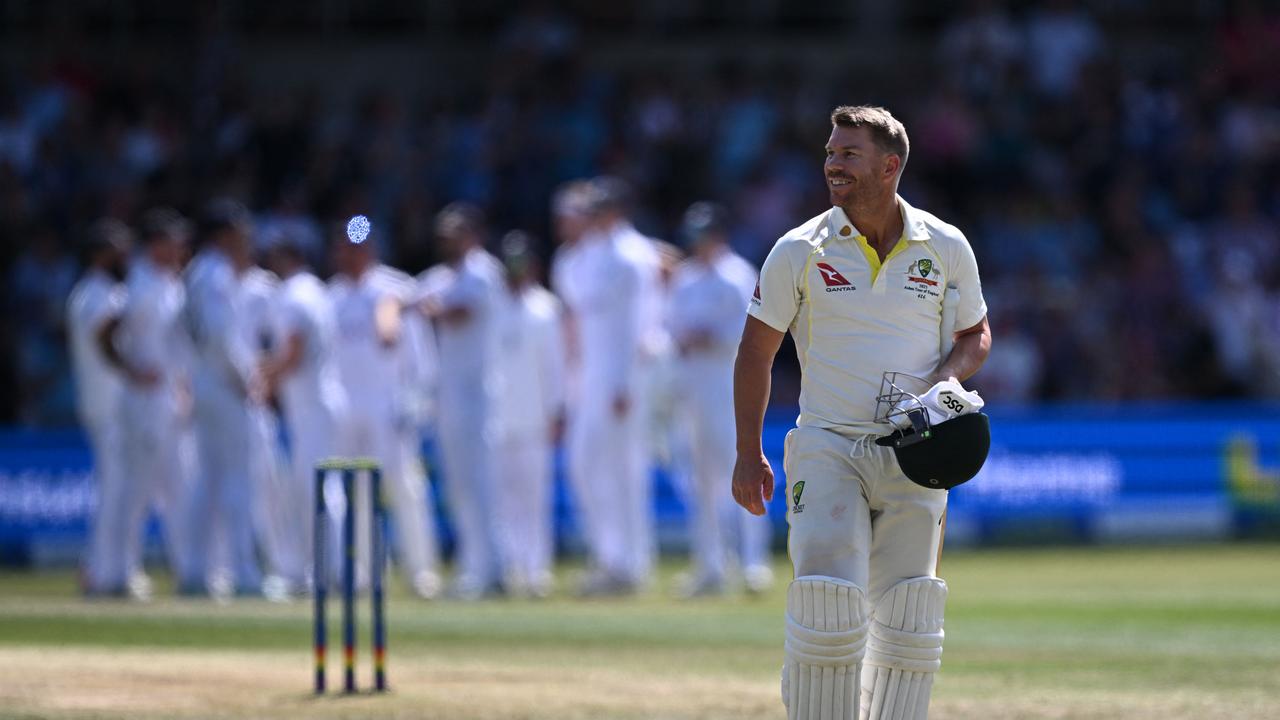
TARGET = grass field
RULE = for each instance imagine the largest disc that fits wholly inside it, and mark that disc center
(1162, 633)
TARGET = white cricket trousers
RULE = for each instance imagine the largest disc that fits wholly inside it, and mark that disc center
(274, 511)
(721, 529)
(370, 430)
(466, 459)
(612, 497)
(857, 517)
(524, 498)
(105, 558)
(854, 516)
(220, 509)
(152, 439)
(313, 437)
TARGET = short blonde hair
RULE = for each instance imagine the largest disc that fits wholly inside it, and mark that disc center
(887, 131)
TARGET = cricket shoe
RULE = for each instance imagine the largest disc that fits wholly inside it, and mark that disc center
(277, 589)
(427, 585)
(140, 587)
(758, 579)
(541, 586)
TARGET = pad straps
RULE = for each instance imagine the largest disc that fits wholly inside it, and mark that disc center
(906, 629)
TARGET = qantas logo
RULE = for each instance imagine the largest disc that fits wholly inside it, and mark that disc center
(835, 282)
(756, 294)
(831, 276)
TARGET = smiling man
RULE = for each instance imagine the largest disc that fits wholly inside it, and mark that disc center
(860, 288)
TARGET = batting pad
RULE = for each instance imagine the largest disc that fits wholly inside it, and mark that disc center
(826, 639)
(904, 651)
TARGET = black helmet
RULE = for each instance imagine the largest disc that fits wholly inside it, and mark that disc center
(937, 456)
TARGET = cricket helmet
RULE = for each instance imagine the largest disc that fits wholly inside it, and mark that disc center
(935, 449)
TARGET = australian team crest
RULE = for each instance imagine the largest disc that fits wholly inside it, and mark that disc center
(919, 273)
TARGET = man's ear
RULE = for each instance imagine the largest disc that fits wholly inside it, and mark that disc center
(892, 163)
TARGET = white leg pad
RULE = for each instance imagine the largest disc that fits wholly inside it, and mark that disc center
(826, 640)
(904, 650)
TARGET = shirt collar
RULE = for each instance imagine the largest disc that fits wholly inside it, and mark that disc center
(840, 226)
(913, 226)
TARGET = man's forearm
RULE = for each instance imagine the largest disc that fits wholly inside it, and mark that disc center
(968, 354)
(751, 385)
(287, 362)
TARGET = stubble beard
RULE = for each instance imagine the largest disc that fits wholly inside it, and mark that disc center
(862, 200)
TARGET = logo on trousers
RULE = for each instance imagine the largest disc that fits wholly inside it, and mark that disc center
(796, 491)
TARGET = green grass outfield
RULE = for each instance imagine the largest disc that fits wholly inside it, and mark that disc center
(1162, 633)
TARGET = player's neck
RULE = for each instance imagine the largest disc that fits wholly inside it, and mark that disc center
(457, 260)
(880, 222)
(710, 255)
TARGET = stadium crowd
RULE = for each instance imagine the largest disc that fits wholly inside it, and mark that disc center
(1126, 216)
(1103, 199)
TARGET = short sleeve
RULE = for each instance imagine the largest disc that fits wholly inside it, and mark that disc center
(776, 299)
(973, 307)
(96, 312)
(468, 290)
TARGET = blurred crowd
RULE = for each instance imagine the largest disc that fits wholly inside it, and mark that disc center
(1125, 211)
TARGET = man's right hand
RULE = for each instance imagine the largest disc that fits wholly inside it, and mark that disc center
(752, 482)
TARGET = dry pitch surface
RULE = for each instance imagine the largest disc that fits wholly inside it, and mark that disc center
(1163, 633)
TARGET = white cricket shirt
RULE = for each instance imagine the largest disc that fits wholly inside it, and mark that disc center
(603, 287)
(217, 319)
(258, 290)
(303, 308)
(94, 300)
(712, 298)
(531, 362)
(853, 318)
(642, 252)
(150, 336)
(467, 348)
(368, 369)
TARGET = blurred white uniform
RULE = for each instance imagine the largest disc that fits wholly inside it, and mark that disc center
(532, 370)
(710, 300)
(94, 301)
(380, 424)
(153, 418)
(414, 507)
(224, 369)
(466, 396)
(603, 285)
(653, 351)
(273, 505)
(314, 405)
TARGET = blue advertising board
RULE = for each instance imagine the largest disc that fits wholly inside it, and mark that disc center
(1116, 473)
(1062, 473)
